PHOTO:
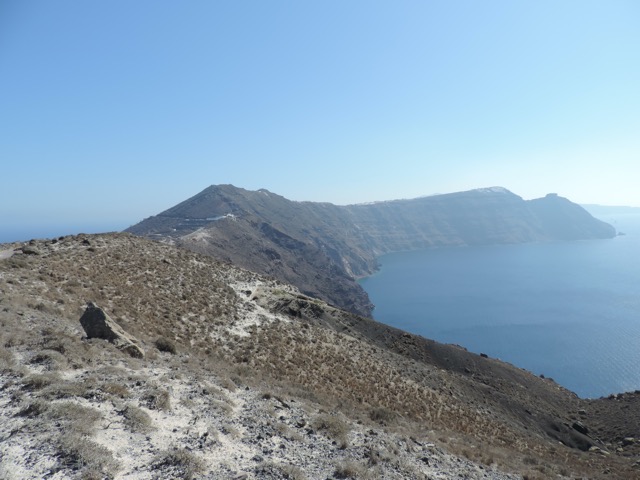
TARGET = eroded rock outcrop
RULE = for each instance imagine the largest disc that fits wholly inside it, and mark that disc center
(97, 324)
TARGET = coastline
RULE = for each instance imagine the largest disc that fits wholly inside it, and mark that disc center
(562, 360)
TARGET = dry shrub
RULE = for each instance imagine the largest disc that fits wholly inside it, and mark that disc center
(180, 463)
(60, 342)
(533, 476)
(270, 469)
(382, 415)
(57, 390)
(73, 283)
(336, 428)
(78, 353)
(33, 409)
(157, 399)
(39, 381)
(151, 355)
(74, 417)
(242, 373)
(50, 359)
(80, 453)
(7, 362)
(136, 419)
(44, 308)
(227, 383)
(350, 469)
(16, 261)
(221, 406)
(292, 472)
(13, 340)
(285, 431)
(165, 345)
(115, 389)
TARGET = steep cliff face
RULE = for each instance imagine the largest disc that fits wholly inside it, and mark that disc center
(321, 248)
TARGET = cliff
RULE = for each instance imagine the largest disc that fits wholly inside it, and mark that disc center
(322, 248)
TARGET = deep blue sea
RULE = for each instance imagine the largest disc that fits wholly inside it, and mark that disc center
(569, 310)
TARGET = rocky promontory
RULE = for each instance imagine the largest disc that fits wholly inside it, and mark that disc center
(323, 248)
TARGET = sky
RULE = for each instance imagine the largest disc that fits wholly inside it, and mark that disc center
(111, 112)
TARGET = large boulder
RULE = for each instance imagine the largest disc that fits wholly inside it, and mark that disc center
(97, 324)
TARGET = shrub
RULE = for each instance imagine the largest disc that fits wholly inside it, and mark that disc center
(165, 345)
(62, 389)
(79, 453)
(349, 469)
(17, 261)
(38, 381)
(334, 426)
(115, 389)
(181, 464)
(382, 414)
(270, 469)
(74, 417)
(33, 409)
(50, 359)
(292, 472)
(7, 361)
(136, 419)
(157, 399)
(44, 308)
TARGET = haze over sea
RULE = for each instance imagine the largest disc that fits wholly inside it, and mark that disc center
(568, 310)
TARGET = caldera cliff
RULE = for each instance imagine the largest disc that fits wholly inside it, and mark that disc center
(323, 248)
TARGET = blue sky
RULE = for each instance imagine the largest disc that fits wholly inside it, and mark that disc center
(114, 111)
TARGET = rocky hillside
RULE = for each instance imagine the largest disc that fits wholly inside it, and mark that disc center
(236, 375)
(323, 248)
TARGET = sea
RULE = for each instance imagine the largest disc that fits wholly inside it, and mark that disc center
(566, 310)
(23, 233)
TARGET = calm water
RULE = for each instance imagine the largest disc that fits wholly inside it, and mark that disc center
(22, 233)
(570, 311)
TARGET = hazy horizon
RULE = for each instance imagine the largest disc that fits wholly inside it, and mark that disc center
(115, 111)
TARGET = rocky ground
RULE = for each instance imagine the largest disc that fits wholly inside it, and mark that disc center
(161, 419)
(244, 377)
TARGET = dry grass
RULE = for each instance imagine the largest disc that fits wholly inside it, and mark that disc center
(114, 389)
(7, 361)
(179, 463)
(165, 345)
(74, 416)
(334, 426)
(50, 360)
(185, 305)
(67, 389)
(382, 415)
(136, 419)
(287, 471)
(79, 453)
(34, 408)
(351, 469)
(157, 398)
(38, 381)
